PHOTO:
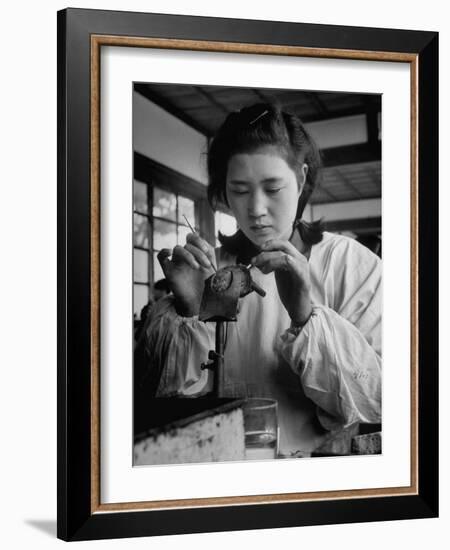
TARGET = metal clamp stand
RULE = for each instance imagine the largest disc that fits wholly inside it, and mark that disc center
(216, 363)
(220, 304)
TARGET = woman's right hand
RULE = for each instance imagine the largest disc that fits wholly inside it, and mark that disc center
(186, 269)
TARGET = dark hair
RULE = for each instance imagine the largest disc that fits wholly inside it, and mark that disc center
(246, 131)
(162, 284)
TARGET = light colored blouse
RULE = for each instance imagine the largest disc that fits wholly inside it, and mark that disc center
(324, 376)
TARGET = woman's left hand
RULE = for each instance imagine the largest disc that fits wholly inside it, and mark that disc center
(292, 277)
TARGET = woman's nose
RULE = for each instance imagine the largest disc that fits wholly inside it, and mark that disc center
(257, 205)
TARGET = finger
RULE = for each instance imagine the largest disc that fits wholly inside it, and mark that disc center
(283, 246)
(264, 256)
(287, 248)
(200, 256)
(279, 261)
(164, 259)
(195, 240)
(181, 255)
(271, 261)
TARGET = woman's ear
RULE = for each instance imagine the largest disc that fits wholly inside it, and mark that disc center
(302, 178)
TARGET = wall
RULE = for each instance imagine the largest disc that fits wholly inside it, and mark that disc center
(339, 132)
(346, 210)
(28, 289)
(186, 153)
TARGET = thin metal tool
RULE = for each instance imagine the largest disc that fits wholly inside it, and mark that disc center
(194, 231)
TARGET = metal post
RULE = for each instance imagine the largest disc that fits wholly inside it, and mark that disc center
(219, 374)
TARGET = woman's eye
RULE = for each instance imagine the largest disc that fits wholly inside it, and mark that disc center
(273, 191)
(238, 192)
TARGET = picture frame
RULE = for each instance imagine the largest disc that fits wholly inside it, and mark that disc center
(81, 36)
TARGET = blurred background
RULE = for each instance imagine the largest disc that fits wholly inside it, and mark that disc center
(172, 125)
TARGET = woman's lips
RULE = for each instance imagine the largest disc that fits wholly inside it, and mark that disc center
(260, 228)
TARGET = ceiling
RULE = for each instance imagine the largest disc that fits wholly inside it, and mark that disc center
(351, 172)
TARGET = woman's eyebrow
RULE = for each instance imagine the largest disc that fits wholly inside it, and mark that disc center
(273, 179)
(238, 182)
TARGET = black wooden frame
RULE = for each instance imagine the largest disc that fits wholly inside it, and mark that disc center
(75, 518)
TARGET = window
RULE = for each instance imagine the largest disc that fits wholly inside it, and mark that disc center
(225, 223)
(158, 222)
(162, 199)
(170, 212)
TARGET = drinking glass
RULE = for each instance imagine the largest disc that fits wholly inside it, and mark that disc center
(261, 428)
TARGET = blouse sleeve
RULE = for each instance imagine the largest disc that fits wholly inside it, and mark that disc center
(175, 348)
(337, 354)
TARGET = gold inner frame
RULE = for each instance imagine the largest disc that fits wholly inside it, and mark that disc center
(97, 41)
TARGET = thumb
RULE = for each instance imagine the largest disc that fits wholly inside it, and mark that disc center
(163, 258)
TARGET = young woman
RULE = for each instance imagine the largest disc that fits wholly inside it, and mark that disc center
(314, 341)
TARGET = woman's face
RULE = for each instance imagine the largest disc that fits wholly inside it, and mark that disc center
(263, 192)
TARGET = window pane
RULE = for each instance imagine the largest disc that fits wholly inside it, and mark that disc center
(186, 208)
(141, 231)
(140, 197)
(140, 299)
(157, 269)
(182, 232)
(164, 234)
(225, 223)
(140, 262)
(164, 204)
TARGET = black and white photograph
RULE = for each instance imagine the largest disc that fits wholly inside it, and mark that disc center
(257, 273)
